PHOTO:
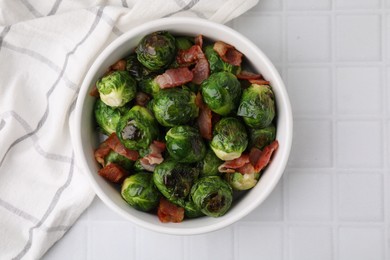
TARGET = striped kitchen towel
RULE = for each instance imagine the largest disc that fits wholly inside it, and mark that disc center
(46, 48)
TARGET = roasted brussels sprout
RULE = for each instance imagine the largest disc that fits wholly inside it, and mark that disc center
(117, 88)
(257, 106)
(119, 159)
(209, 165)
(149, 86)
(156, 50)
(174, 180)
(137, 128)
(106, 117)
(184, 144)
(183, 43)
(229, 139)
(221, 92)
(139, 191)
(262, 137)
(212, 195)
(191, 210)
(217, 64)
(240, 181)
(136, 69)
(175, 106)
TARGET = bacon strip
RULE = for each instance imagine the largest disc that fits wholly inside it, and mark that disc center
(201, 71)
(94, 92)
(199, 40)
(101, 153)
(113, 173)
(119, 65)
(231, 166)
(189, 56)
(169, 212)
(259, 81)
(204, 119)
(248, 75)
(174, 77)
(260, 160)
(195, 55)
(228, 53)
(115, 144)
(154, 157)
(141, 99)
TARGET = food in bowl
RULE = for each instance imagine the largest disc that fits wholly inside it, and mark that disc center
(187, 126)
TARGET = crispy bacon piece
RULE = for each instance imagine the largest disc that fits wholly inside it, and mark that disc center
(169, 212)
(228, 53)
(154, 157)
(115, 144)
(259, 81)
(189, 56)
(119, 65)
(260, 159)
(113, 173)
(94, 92)
(204, 119)
(101, 153)
(141, 99)
(230, 166)
(199, 40)
(248, 75)
(201, 71)
(195, 55)
(174, 77)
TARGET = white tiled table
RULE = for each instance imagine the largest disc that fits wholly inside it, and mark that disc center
(333, 201)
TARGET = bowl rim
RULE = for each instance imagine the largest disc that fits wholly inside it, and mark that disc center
(83, 93)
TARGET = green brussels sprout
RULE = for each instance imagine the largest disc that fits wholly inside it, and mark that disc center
(184, 144)
(262, 137)
(229, 139)
(106, 117)
(138, 166)
(240, 181)
(156, 50)
(149, 86)
(117, 88)
(183, 43)
(175, 106)
(217, 64)
(174, 180)
(221, 92)
(139, 191)
(257, 106)
(209, 165)
(136, 69)
(119, 159)
(212, 195)
(191, 210)
(137, 128)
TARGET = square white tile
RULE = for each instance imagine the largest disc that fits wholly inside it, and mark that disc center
(387, 31)
(387, 89)
(310, 90)
(357, 4)
(268, 36)
(358, 37)
(352, 90)
(98, 211)
(359, 144)
(215, 245)
(255, 242)
(309, 5)
(309, 195)
(112, 240)
(271, 209)
(308, 243)
(360, 196)
(268, 5)
(308, 38)
(361, 243)
(312, 144)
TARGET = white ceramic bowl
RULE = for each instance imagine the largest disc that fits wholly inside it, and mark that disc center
(85, 138)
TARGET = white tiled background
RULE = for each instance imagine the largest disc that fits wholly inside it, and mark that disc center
(333, 201)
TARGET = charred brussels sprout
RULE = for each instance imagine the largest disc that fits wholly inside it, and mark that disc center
(191, 210)
(149, 86)
(185, 144)
(174, 180)
(156, 50)
(118, 159)
(209, 165)
(137, 128)
(117, 88)
(106, 117)
(221, 92)
(229, 139)
(257, 106)
(139, 191)
(175, 106)
(240, 181)
(136, 69)
(262, 137)
(217, 64)
(212, 195)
